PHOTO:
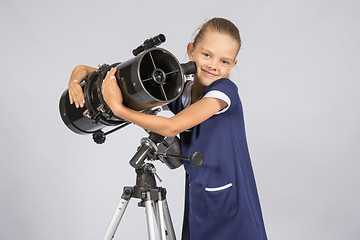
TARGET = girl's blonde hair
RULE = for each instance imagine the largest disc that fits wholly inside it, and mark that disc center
(220, 25)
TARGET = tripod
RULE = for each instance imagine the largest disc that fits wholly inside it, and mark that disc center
(153, 198)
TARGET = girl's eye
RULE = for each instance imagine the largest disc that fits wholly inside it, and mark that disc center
(206, 55)
(225, 62)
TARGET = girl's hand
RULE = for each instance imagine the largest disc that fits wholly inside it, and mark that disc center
(76, 94)
(111, 91)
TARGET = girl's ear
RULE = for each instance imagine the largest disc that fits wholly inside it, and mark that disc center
(235, 62)
(190, 48)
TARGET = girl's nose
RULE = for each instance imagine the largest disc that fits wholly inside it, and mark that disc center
(213, 64)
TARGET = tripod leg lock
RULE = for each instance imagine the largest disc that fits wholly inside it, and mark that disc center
(163, 193)
(127, 194)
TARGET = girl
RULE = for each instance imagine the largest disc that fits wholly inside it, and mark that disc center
(221, 200)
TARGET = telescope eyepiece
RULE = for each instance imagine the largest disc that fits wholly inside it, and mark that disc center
(150, 43)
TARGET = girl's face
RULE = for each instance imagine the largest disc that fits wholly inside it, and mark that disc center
(214, 56)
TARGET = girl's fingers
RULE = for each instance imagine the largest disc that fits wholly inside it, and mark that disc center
(76, 96)
(79, 99)
(70, 97)
(110, 73)
(109, 76)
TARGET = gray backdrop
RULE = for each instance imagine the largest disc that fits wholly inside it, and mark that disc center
(298, 78)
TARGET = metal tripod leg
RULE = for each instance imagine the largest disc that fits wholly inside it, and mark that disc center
(160, 211)
(125, 198)
(156, 207)
(157, 210)
(160, 218)
(150, 216)
(168, 222)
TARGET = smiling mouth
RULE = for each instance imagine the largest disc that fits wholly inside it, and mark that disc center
(208, 74)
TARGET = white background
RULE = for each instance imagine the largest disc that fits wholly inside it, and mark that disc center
(298, 78)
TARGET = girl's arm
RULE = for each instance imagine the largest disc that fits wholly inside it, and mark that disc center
(168, 127)
(76, 94)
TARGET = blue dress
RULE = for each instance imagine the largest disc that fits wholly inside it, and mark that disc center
(221, 199)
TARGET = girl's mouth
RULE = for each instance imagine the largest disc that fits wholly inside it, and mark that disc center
(208, 74)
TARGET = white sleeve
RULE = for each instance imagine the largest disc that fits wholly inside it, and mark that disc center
(165, 107)
(221, 96)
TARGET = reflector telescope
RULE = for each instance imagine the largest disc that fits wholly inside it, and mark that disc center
(153, 77)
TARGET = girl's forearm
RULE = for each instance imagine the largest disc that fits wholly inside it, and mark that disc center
(169, 127)
(88, 69)
(159, 124)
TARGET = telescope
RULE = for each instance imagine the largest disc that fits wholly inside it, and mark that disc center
(153, 77)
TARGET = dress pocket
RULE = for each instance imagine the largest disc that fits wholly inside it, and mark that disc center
(221, 201)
